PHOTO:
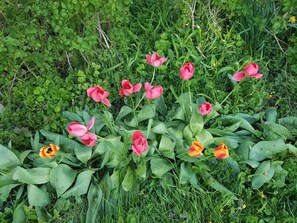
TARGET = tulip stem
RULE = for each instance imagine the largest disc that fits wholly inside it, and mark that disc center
(153, 75)
(139, 102)
(134, 108)
(190, 96)
(235, 87)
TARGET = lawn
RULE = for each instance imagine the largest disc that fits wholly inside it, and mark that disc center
(148, 111)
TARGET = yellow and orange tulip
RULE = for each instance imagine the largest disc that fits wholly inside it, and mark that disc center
(196, 149)
(221, 151)
(49, 151)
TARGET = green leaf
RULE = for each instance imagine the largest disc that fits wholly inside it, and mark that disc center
(160, 166)
(290, 123)
(292, 149)
(37, 197)
(72, 116)
(186, 174)
(160, 128)
(147, 112)
(178, 114)
(196, 122)
(273, 131)
(35, 142)
(22, 156)
(83, 153)
(19, 215)
(5, 190)
(61, 178)
(161, 105)
(270, 115)
(125, 110)
(265, 149)
(243, 150)
(81, 184)
(94, 200)
(128, 181)
(32, 176)
(231, 142)
(166, 147)
(8, 159)
(263, 174)
(205, 138)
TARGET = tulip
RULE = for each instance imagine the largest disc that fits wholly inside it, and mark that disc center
(49, 151)
(78, 129)
(155, 60)
(98, 94)
(89, 139)
(140, 143)
(205, 108)
(195, 149)
(221, 151)
(128, 88)
(251, 70)
(152, 92)
(186, 71)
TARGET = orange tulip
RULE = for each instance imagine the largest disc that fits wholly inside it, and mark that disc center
(195, 149)
(221, 151)
(49, 151)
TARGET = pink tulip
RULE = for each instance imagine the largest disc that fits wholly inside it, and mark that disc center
(89, 139)
(128, 88)
(152, 92)
(251, 70)
(155, 60)
(140, 143)
(98, 94)
(186, 71)
(78, 129)
(205, 108)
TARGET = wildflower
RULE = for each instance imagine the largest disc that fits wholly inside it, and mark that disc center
(262, 195)
(140, 143)
(205, 108)
(251, 70)
(155, 60)
(89, 139)
(49, 151)
(292, 19)
(98, 94)
(128, 88)
(221, 209)
(186, 71)
(152, 92)
(243, 206)
(221, 151)
(195, 149)
(78, 129)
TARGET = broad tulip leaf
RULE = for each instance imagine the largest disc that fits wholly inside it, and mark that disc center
(231, 142)
(8, 159)
(270, 115)
(35, 142)
(273, 131)
(166, 147)
(37, 196)
(61, 178)
(265, 149)
(205, 138)
(72, 116)
(188, 135)
(94, 200)
(115, 179)
(22, 156)
(196, 122)
(292, 149)
(263, 174)
(125, 110)
(161, 105)
(244, 149)
(146, 113)
(83, 153)
(19, 215)
(32, 176)
(160, 128)
(5, 190)
(186, 174)
(128, 181)
(81, 184)
(178, 114)
(290, 123)
(160, 166)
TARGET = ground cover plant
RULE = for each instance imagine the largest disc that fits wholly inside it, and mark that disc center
(175, 111)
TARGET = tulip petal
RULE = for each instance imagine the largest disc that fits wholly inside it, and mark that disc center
(106, 102)
(258, 76)
(136, 135)
(238, 76)
(137, 87)
(91, 123)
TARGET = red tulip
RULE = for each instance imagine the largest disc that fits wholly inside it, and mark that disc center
(155, 60)
(98, 94)
(186, 71)
(152, 92)
(221, 151)
(140, 143)
(89, 139)
(128, 88)
(205, 108)
(78, 129)
(251, 70)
